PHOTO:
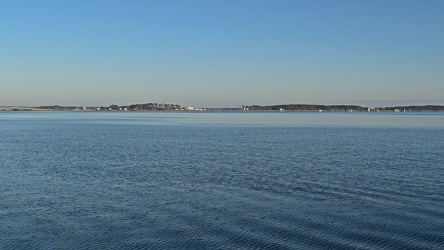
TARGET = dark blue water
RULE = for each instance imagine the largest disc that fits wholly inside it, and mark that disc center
(221, 180)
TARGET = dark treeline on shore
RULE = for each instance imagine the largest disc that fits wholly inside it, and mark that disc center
(306, 107)
(343, 108)
(429, 108)
(148, 106)
(283, 107)
(136, 107)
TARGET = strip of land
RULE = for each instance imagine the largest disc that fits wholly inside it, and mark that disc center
(344, 108)
(244, 108)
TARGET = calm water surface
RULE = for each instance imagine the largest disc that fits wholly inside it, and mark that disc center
(161, 180)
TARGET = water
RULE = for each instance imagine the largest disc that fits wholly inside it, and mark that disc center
(138, 180)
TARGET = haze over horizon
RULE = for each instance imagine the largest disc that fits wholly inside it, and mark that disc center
(221, 53)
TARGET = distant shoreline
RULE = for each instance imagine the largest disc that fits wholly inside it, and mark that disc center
(238, 110)
(243, 108)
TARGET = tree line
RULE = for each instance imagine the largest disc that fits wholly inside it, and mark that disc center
(354, 108)
(152, 106)
(426, 108)
(306, 107)
(145, 106)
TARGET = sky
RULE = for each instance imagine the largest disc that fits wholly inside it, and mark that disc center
(221, 53)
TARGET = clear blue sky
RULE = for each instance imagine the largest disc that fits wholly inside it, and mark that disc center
(216, 53)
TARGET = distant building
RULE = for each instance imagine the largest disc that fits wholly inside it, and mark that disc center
(189, 108)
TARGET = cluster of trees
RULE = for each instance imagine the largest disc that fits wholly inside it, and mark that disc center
(354, 108)
(149, 106)
(307, 107)
(146, 106)
(427, 108)
(57, 107)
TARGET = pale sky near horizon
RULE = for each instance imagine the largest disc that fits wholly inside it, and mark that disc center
(221, 53)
